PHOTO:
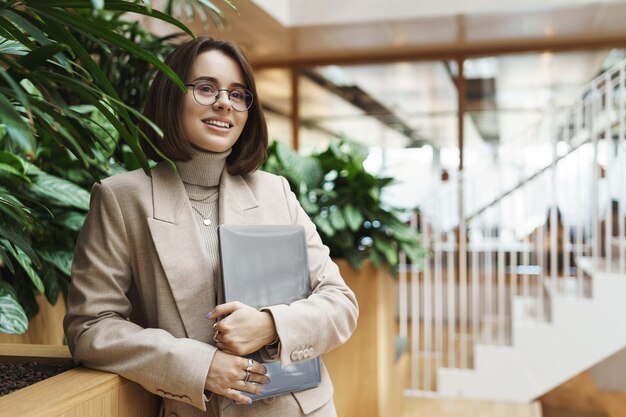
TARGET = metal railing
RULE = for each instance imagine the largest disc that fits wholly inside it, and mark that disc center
(511, 251)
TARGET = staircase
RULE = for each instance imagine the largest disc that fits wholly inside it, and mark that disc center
(524, 290)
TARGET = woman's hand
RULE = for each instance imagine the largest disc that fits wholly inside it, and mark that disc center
(229, 374)
(244, 330)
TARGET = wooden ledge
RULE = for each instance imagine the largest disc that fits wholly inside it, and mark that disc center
(60, 393)
(49, 354)
(79, 392)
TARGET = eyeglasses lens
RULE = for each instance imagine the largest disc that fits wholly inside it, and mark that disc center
(208, 93)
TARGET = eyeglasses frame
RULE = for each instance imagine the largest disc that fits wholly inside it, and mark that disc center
(217, 96)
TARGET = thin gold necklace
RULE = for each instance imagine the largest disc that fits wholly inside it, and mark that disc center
(205, 219)
(192, 196)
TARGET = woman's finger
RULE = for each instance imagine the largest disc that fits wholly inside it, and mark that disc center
(221, 346)
(253, 371)
(256, 367)
(250, 387)
(237, 396)
(257, 378)
(224, 309)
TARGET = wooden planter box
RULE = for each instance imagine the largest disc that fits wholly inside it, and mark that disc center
(363, 371)
(79, 392)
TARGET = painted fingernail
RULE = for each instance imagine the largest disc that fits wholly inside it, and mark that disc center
(268, 381)
(248, 401)
(209, 314)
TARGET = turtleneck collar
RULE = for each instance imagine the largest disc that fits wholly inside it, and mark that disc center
(205, 168)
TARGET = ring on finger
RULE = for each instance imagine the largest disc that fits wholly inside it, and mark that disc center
(250, 365)
(215, 336)
(247, 377)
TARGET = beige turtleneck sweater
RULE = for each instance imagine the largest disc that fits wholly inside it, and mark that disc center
(201, 178)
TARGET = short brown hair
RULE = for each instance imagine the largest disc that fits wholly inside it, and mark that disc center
(164, 107)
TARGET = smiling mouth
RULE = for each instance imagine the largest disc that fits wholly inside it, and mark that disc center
(217, 123)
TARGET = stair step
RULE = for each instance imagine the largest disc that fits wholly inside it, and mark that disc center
(495, 330)
(526, 309)
(600, 266)
(415, 405)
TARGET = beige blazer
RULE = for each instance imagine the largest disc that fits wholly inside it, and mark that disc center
(141, 288)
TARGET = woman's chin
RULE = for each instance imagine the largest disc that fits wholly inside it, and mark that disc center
(211, 147)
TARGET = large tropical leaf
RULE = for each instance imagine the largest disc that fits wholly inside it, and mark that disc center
(58, 190)
(13, 318)
(11, 47)
(15, 125)
(26, 264)
(65, 18)
(61, 259)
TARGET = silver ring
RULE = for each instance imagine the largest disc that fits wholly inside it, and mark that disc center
(215, 336)
(247, 377)
(250, 365)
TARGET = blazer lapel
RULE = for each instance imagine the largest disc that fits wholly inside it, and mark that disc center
(180, 249)
(237, 204)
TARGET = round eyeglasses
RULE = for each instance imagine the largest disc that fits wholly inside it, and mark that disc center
(207, 93)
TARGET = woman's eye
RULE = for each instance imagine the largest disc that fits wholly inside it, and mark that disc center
(237, 95)
(206, 88)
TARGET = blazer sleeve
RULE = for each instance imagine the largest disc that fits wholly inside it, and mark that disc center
(326, 319)
(99, 332)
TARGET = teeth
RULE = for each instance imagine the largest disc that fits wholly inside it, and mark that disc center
(217, 123)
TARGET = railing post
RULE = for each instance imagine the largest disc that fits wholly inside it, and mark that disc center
(608, 171)
(415, 314)
(553, 201)
(579, 211)
(462, 251)
(622, 159)
(595, 174)
(428, 345)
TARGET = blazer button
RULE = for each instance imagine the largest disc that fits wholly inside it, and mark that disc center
(294, 356)
(173, 415)
(269, 400)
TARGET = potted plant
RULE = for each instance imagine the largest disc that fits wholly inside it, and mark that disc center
(344, 202)
(364, 237)
(73, 77)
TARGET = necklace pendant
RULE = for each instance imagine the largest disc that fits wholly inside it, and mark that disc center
(207, 222)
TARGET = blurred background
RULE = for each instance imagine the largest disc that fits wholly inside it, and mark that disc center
(386, 75)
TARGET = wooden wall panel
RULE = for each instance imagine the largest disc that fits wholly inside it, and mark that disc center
(363, 370)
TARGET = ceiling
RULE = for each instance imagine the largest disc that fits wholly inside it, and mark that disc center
(277, 32)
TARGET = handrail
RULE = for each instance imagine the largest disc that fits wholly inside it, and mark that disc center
(524, 182)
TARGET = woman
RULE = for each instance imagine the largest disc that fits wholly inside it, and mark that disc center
(145, 292)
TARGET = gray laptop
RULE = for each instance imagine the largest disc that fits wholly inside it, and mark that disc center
(265, 265)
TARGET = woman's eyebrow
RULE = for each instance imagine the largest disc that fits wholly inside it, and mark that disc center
(214, 80)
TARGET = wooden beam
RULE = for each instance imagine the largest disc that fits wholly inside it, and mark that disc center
(442, 51)
(295, 109)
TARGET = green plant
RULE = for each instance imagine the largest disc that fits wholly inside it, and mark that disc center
(344, 202)
(72, 77)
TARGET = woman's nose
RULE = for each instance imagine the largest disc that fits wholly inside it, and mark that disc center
(222, 100)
